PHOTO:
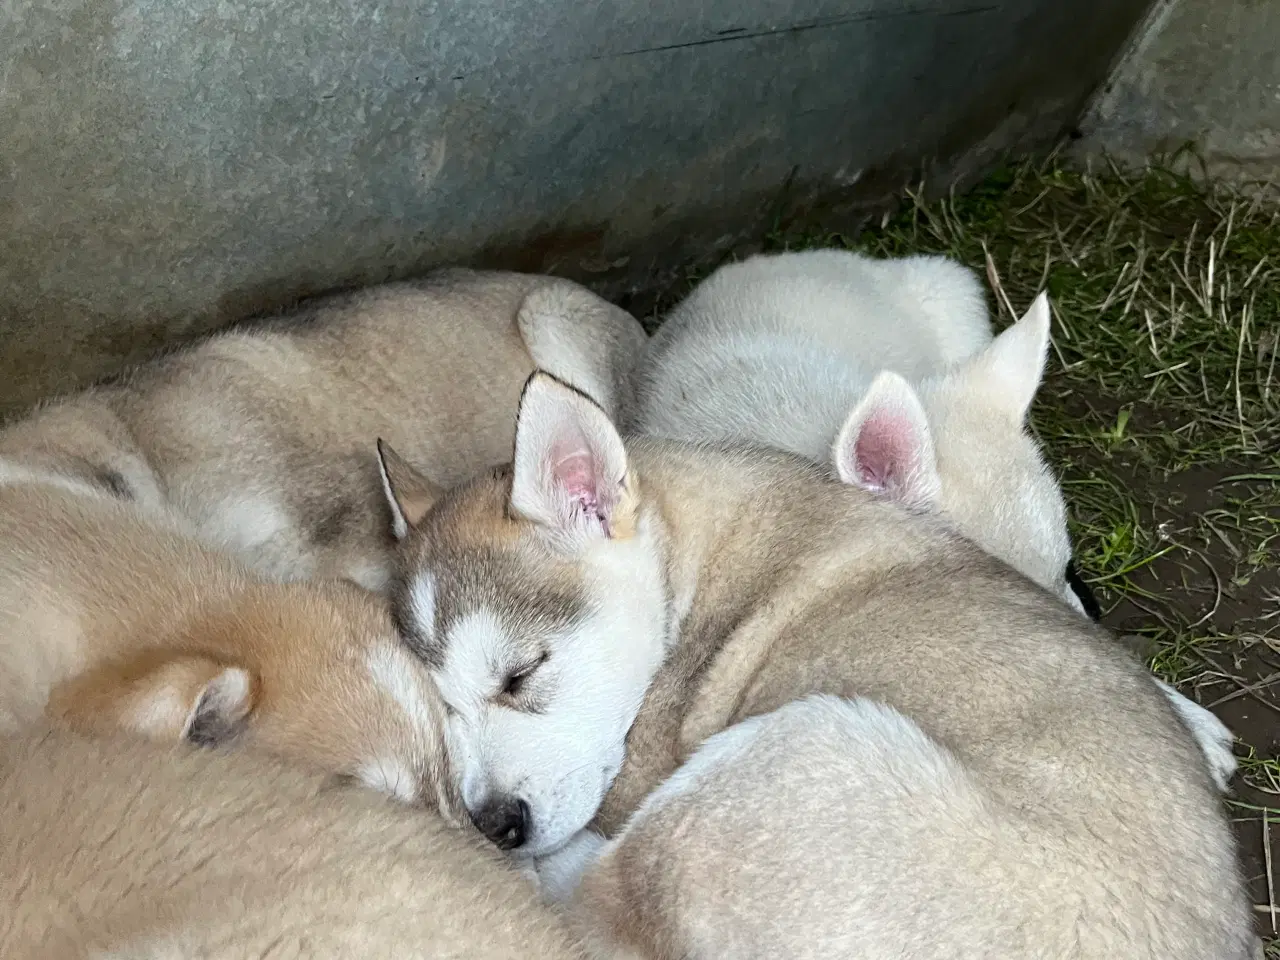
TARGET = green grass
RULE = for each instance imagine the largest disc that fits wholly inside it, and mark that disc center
(1165, 293)
(1161, 407)
(1166, 300)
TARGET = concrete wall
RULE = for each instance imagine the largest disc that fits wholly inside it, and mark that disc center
(1204, 71)
(168, 165)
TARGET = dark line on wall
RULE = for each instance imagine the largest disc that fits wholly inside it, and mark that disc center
(742, 33)
(734, 34)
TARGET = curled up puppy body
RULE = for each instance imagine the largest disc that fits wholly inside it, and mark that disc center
(788, 834)
(887, 370)
(261, 438)
(750, 581)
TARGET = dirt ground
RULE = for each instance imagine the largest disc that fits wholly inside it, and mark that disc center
(1206, 613)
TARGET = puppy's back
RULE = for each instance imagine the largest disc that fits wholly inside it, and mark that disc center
(915, 315)
(778, 348)
(85, 576)
(115, 848)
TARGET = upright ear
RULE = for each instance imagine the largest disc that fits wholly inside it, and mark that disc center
(885, 445)
(1009, 370)
(409, 494)
(165, 697)
(570, 468)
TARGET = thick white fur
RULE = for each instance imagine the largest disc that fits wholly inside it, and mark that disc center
(500, 752)
(788, 350)
(1214, 737)
(782, 350)
(863, 784)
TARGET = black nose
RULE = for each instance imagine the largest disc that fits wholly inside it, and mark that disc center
(504, 821)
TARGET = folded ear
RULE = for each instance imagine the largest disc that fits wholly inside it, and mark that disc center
(166, 697)
(569, 473)
(1008, 371)
(885, 445)
(409, 494)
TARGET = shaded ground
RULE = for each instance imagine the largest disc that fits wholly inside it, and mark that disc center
(1161, 410)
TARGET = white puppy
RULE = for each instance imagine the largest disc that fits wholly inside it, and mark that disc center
(885, 367)
(1042, 763)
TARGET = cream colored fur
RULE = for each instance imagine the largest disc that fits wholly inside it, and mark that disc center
(131, 850)
(113, 621)
(262, 439)
(790, 350)
(807, 831)
(785, 350)
(1036, 757)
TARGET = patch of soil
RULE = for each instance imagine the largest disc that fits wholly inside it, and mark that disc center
(1249, 702)
(1207, 589)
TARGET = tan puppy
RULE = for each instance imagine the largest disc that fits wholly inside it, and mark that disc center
(1005, 781)
(132, 850)
(263, 438)
(888, 369)
(115, 622)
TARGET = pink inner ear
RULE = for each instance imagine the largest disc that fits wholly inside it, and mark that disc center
(885, 452)
(575, 474)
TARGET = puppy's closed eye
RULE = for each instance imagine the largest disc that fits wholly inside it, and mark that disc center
(516, 679)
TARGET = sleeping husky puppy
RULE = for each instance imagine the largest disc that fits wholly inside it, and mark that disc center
(263, 438)
(888, 369)
(597, 610)
(111, 621)
(131, 850)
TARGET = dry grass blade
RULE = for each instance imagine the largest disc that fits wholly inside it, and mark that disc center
(1266, 848)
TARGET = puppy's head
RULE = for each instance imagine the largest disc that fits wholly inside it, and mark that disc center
(959, 446)
(537, 597)
(310, 672)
